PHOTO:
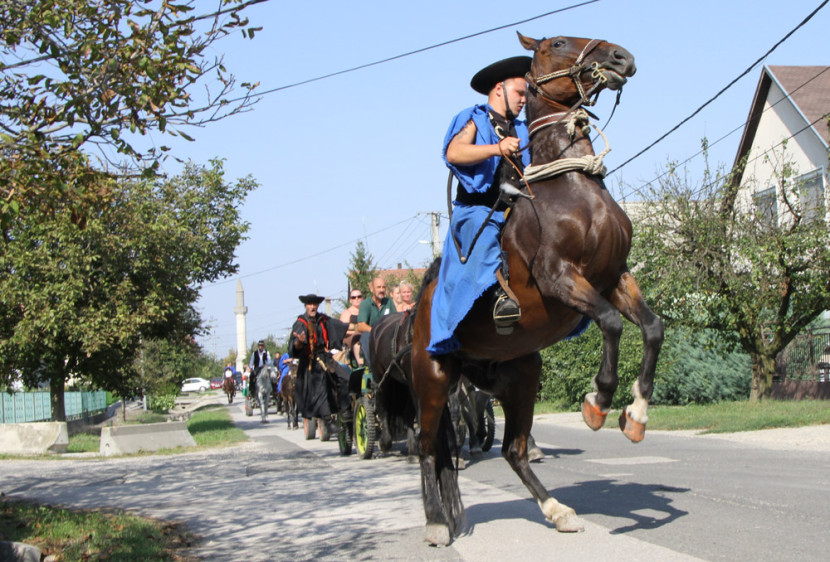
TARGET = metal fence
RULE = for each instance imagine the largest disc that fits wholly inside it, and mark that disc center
(807, 358)
(22, 407)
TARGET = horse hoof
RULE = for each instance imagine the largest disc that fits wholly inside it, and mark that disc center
(535, 454)
(437, 535)
(634, 430)
(568, 522)
(593, 416)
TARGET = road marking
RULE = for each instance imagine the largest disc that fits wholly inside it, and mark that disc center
(633, 460)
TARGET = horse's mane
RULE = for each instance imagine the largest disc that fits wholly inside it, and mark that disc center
(429, 276)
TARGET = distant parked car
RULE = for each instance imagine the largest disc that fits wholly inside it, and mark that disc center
(216, 382)
(195, 385)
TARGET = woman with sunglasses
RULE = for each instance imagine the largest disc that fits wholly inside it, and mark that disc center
(349, 316)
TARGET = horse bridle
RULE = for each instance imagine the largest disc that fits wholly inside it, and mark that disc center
(574, 73)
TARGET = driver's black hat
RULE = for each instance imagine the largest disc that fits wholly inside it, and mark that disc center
(311, 299)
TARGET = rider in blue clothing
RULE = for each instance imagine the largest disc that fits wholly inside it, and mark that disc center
(480, 141)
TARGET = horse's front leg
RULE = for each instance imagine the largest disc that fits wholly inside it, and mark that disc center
(629, 300)
(517, 401)
(575, 291)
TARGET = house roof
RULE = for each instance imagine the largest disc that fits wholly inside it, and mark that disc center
(806, 87)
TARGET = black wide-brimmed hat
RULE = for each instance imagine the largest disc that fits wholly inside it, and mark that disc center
(489, 76)
(311, 299)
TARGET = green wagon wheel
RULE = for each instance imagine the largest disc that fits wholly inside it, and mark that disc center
(365, 427)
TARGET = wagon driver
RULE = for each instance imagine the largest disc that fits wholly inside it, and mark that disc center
(311, 335)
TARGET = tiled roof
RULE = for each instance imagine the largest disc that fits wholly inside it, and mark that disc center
(809, 88)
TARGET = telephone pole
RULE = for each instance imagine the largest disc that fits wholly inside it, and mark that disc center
(435, 243)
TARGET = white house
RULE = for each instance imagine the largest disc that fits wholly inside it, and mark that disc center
(787, 124)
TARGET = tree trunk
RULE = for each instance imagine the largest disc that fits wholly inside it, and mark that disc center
(763, 369)
(57, 386)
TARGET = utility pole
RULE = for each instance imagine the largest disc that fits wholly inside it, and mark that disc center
(435, 243)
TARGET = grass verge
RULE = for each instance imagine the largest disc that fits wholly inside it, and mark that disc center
(724, 417)
(727, 417)
(210, 426)
(91, 535)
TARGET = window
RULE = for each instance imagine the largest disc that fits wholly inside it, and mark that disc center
(810, 189)
(766, 205)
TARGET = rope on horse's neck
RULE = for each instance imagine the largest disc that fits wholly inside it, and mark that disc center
(590, 164)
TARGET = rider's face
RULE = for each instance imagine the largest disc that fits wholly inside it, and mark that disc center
(516, 94)
(311, 309)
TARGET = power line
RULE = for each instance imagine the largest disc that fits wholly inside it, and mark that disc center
(418, 51)
(716, 96)
(305, 258)
(787, 96)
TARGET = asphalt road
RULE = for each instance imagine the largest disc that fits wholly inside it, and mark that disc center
(280, 497)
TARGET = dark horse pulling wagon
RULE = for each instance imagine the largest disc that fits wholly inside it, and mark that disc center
(567, 245)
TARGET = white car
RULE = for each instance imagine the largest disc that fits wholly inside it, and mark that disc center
(195, 385)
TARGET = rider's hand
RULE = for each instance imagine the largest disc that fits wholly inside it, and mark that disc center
(508, 146)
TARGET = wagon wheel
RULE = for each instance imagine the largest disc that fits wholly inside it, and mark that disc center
(249, 407)
(345, 438)
(325, 434)
(365, 427)
(487, 427)
(309, 428)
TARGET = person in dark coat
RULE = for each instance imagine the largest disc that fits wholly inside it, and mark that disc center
(312, 336)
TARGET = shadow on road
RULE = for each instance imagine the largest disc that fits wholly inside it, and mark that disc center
(647, 506)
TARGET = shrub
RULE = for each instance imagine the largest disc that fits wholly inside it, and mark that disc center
(699, 369)
(161, 404)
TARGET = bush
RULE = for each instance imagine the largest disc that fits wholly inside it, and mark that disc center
(699, 369)
(161, 404)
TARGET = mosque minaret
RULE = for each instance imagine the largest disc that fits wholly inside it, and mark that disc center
(241, 333)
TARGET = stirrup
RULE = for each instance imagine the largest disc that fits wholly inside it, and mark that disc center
(506, 314)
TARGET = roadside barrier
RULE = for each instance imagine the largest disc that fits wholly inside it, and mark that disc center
(128, 439)
(37, 438)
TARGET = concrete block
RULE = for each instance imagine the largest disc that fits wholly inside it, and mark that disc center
(36, 438)
(19, 552)
(128, 439)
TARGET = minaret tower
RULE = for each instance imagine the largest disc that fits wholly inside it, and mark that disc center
(241, 333)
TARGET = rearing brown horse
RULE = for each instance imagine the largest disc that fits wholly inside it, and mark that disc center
(567, 250)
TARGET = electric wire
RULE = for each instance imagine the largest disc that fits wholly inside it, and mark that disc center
(724, 89)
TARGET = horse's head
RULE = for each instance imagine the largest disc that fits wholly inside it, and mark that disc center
(567, 69)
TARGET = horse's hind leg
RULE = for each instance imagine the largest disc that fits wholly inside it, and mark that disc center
(517, 401)
(628, 299)
(439, 481)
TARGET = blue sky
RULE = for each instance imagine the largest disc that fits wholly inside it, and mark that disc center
(357, 156)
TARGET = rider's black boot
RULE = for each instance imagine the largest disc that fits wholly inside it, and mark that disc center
(506, 313)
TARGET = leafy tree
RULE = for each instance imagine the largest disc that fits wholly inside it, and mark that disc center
(709, 260)
(82, 80)
(80, 300)
(362, 270)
